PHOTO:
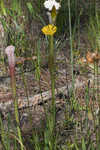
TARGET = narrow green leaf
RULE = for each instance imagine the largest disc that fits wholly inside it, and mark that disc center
(3, 9)
(30, 7)
(83, 144)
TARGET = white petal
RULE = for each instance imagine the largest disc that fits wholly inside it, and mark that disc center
(57, 5)
(50, 3)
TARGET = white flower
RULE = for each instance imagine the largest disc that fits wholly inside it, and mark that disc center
(10, 53)
(49, 4)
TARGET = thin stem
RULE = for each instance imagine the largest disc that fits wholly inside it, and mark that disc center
(52, 75)
(71, 48)
(51, 67)
(97, 86)
(13, 85)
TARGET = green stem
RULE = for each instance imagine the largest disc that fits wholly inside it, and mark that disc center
(97, 90)
(52, 75)
(71, 48)
(13, 85)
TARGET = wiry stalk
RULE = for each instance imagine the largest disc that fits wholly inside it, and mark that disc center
(71, 48)
(13, 85)
(51, 68)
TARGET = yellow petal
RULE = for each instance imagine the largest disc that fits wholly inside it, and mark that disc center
(49, 29)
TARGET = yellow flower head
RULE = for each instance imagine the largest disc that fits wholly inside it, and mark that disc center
(49, 29)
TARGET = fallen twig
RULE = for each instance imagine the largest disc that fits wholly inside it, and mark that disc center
(37, 99)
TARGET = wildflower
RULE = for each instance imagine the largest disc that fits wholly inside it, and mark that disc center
(92, 57)
(49, 29)
(11, 60)
(10, 53)
(49, 4)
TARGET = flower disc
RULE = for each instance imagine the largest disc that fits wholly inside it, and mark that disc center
(49, 29)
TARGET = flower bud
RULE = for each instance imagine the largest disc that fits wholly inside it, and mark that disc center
(10, 53)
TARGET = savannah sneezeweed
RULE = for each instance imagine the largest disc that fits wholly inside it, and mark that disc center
(50, 30)
(11, 61)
